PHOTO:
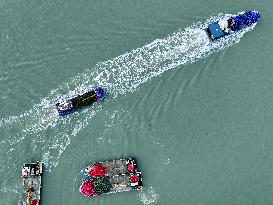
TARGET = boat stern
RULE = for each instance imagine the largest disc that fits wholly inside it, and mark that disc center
(64, 108)
(215, 31)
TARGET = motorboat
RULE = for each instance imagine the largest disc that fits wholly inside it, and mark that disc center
(88, 98)
(232, 23)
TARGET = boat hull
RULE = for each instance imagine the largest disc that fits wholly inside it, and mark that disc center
(86, 99)
(31, 181)
(234, 23)
(111, 177)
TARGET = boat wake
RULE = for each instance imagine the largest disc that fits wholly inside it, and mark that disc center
(49, 134)
(149, 196)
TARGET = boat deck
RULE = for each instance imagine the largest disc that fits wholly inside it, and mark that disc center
(32, 180)
(116, 167)
(118, 176)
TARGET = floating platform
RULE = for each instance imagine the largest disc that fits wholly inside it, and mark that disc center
(32, 180)
(230, 24)
(88, 98)
(111, 177)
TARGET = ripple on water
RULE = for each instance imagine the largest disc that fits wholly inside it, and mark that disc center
(118, 76)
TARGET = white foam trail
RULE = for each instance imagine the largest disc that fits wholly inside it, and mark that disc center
(118, 76)
(148, 196)
(5, 190)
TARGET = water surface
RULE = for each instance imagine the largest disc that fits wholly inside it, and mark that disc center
(199, 121)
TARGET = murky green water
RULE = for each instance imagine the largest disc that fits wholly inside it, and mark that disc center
(202, 131)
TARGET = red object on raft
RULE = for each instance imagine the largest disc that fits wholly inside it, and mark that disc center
(130, 167)
(34, 202)
(97, 171)
(134, 178)
(87, 188)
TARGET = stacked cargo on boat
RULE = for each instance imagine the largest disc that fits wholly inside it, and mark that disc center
(32, 179)
(111, 177)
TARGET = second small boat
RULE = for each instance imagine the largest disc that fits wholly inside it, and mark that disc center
(80, 101)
